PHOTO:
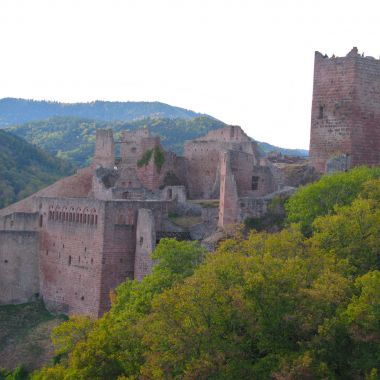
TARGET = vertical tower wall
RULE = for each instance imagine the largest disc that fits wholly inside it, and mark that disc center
(145, 243)
(345, 117)
(104, 148)
(70, 254)
(229, 202)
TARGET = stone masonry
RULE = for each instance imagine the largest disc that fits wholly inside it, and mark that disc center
(345, 117)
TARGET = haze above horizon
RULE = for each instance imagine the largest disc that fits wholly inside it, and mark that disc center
(246, 63)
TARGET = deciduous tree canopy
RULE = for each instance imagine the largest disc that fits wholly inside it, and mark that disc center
(265, 306)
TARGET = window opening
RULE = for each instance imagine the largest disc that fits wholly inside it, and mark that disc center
(255, 183)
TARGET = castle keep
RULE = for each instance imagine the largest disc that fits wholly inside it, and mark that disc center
(345, 118)
(76, 240)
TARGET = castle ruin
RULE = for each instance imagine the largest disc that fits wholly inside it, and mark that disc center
(73, 242)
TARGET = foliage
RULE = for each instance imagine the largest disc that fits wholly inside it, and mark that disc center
(144, 160)
(18, 373)
(159, 158)
(112, 347)
(25, 169)
(320, 198)
(269, 306)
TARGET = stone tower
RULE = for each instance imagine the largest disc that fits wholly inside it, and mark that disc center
(345, 117)
(104, 149)
(228, 206)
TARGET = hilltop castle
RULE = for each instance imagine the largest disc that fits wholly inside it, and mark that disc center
(76, 240)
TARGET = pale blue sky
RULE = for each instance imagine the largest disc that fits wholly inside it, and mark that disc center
(245, 62)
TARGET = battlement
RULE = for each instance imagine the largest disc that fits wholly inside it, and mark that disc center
(353, 53)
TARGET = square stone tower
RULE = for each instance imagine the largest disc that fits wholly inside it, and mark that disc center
(345, 117)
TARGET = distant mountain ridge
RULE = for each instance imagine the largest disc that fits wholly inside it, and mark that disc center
(25, 168)
(267, 148)
(19, 111)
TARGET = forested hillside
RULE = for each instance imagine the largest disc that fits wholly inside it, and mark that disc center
(19, 111)
(25, 169)
(302, 303)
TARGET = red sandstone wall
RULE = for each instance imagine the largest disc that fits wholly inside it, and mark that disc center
(82, 259)
(348, 89)
(203, 168)
(71, 254)
(19, 278)
(243, 168)
(153, 179)
(104, 148)
(120, 242)
(149, 176)
(203, 154)
(228, 204)
(366, 129)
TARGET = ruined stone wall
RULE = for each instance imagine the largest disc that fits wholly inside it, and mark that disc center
(71, 254)
(145, 243)
(203, 167)
(252, 180)
(20, 221)
(345, 110)
(19, 269)
(180, 170)
(120, 242)
(87, 248)
(104, 149)
(149, 175)
(228, 204)
(228, 134)
(135, 143)
(203, 159)
(154, 178)
(366, 130)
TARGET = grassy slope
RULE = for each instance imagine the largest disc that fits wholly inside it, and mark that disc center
(25, 335)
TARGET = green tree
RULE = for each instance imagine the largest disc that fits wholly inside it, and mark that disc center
(113, 347)
(321, 197)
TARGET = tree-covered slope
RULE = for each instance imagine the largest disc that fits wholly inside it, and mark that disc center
(25, 169)
(19, 111)
(74, 138)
